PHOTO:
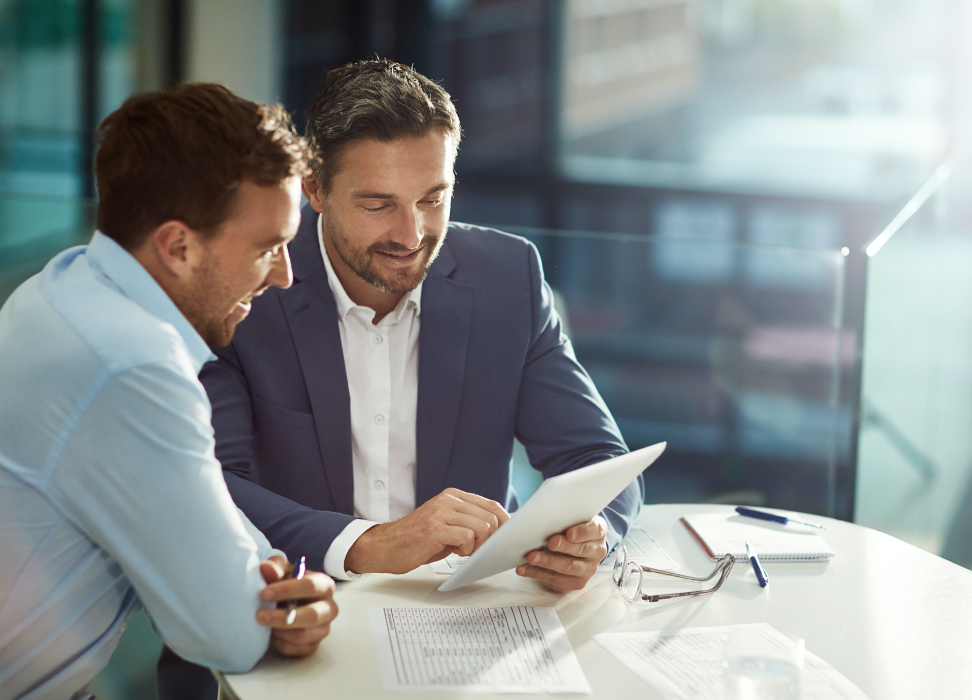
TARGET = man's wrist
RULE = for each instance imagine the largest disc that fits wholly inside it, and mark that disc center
(335, 559)
(362, 556)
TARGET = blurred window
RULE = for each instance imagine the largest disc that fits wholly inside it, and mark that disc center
(837, 99)
(45, 106)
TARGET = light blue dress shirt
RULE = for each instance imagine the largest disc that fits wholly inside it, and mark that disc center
(110, 495)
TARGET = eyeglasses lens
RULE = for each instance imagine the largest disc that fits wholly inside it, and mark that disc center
(619, 565)
(631, 581)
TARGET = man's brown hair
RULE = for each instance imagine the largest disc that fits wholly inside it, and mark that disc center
(375, 99)
(182, 153)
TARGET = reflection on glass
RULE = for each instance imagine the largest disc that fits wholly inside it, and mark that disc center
(731, 352)
(842, 99)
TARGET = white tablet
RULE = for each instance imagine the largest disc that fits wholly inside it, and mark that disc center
(561, 501)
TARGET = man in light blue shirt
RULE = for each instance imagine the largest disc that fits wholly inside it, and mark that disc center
(110, 496)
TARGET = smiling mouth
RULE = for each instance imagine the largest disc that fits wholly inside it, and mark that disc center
(400, 257)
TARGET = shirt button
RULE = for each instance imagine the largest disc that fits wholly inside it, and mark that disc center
(379, 485)
(377, 339)
(379, 419)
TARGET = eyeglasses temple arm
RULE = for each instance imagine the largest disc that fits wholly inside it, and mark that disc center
(666, 596)
(728, 559)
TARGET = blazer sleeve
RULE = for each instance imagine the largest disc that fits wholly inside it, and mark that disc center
(289, 526)
(562, 421)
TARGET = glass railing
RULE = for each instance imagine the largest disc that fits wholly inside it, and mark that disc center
(915, 457)
(733, 353)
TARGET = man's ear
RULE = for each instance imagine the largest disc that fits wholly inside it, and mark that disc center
(315, 194)
(176, 248)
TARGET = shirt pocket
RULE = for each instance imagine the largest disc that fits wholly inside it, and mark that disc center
(263, 411)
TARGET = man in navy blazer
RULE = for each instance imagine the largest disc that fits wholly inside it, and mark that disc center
(301, 417)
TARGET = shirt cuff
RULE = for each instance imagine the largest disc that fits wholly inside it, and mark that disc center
(338, 551)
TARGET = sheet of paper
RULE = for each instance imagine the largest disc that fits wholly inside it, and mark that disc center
(642, 548)
(449, 564)
(687, 665)
(475, 650)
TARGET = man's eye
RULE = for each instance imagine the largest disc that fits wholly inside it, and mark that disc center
(374, 209)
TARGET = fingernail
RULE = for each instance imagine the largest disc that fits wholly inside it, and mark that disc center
(263, 617)
(266, 595)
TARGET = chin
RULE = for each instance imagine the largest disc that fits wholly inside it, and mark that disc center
(219, 336)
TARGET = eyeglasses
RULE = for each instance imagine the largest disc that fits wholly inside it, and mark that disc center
(628, 576)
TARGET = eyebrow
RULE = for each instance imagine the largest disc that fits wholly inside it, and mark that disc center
(273, 242)
(380, 195)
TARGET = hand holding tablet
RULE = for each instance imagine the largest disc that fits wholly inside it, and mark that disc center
(560, 503)
(570, 557)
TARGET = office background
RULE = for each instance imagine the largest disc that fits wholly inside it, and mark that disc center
(702, 178)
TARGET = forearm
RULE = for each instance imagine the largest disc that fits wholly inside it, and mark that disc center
(622, 512)
(138, 478)
(289, 526)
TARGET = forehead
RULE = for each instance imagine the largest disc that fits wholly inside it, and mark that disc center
(264, 213)
(404, 164)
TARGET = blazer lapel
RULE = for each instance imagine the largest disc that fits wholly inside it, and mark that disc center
(444, 335)
(312, 316)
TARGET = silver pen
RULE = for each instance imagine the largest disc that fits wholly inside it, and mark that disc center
(299, 572)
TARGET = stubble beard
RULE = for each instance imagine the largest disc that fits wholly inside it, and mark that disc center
(362, 264)
(208, 288)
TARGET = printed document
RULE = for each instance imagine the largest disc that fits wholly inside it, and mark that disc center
(687, 664)
(641, 547)
(475, 650)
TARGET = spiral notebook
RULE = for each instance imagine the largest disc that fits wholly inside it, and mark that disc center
(727, 533)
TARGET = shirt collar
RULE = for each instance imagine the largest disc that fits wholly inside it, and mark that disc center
(134, 281)
(341, 298)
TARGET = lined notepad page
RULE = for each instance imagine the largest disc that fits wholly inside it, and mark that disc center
(727, 533)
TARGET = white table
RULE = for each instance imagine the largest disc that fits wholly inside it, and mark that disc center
(894, 619)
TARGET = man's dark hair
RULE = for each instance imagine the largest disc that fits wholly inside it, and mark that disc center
(376, 99)
(182, 153)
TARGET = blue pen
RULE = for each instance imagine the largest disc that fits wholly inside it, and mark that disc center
(782, 519)
(299, 572)
(761, 575)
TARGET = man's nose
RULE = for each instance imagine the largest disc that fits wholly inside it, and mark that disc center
(408, 228)
(281, 275)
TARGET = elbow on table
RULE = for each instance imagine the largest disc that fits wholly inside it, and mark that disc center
(230, 653)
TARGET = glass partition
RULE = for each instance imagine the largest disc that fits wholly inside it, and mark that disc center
(732, 353)
(915, 457)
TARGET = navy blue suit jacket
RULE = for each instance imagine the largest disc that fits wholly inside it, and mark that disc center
(493, 364)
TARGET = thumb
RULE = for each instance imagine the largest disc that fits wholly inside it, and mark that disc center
(273, 569)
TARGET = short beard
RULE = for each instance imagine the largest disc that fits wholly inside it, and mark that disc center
(206, 288)
(360, 261)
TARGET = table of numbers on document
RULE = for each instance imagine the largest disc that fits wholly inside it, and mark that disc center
(459, 646)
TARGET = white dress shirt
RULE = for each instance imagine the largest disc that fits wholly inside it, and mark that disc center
(381, 362)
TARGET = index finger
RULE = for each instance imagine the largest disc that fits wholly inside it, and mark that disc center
(485, 503)
(314, 586)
